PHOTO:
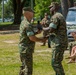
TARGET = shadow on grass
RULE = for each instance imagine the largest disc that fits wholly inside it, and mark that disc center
(8, 26)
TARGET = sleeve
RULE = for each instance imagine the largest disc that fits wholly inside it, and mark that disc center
(29, 31)
(52, 25)
(54, 22)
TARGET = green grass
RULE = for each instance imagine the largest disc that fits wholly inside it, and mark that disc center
(5, 23)
(10, 62)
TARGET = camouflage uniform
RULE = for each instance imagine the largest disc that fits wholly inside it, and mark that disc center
(59, 42)
(26, 47)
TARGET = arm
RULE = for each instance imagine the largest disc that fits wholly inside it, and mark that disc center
(52, 27)
(36, 39)
(30, 33)
(74, 54)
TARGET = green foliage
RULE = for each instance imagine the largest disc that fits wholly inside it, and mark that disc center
(8, 9)
(5, 23)
(0, 1)
(0, 12)
(0, 9)
(27, 3)
(41, 6)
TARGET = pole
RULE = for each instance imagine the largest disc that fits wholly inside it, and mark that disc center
(2, 10)
(31, 4)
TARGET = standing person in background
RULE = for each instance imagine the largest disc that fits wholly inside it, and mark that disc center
(59, 40)
(45, 23)
(39, 26)
(27, 42)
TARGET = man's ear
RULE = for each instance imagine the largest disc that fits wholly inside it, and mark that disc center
(23, 12)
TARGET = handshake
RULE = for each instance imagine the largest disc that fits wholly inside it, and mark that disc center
(37, 29)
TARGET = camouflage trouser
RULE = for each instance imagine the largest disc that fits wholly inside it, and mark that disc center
(57, 57)
(27, 64)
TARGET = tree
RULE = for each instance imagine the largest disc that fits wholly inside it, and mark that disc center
(64, 5)
(55, 0)
(8, 9)
(17, 6)
(14, 7)
(41, 7)
(0, 1)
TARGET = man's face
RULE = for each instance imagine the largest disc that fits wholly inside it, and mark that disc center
(31, 14)
(52, 9)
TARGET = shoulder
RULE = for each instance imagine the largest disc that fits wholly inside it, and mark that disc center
(25, 23)
(58, 16)
(54, 17)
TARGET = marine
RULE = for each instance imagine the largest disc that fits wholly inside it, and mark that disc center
(59, 40)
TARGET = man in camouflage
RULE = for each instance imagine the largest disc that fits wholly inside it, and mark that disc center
(45, 23)
(59, 41)
(27, 42)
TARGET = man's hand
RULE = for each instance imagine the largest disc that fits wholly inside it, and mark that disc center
(39, 31)
(36, 39)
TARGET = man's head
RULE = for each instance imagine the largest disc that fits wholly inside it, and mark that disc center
(54, 7)
(28, 12)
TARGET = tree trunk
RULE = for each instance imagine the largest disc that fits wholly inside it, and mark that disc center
(64, 5)
(71, 3)
(17, 11)
(18, 5)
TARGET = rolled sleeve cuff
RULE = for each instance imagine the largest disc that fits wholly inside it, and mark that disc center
(52, 25)
(30, 33)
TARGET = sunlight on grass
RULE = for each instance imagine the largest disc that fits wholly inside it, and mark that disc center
(10, 61)
(5, 23)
